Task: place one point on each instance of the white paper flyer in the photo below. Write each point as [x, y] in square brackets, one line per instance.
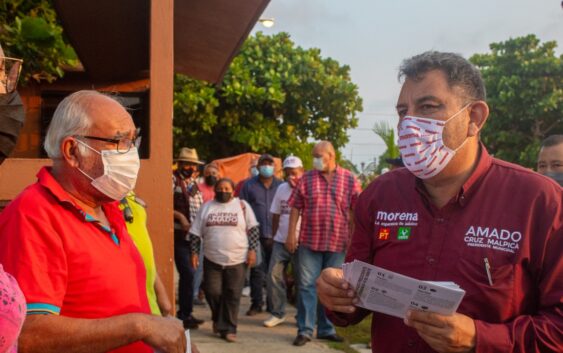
[392, 293]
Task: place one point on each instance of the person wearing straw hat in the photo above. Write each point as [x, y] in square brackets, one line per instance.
[184, 178]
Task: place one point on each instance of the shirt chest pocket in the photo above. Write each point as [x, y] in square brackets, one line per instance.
[488, 281]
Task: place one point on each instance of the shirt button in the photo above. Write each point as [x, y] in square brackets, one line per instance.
[410, 343]
[431, 260]
[440, 220]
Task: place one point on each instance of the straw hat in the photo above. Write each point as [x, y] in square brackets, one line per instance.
[188, 155]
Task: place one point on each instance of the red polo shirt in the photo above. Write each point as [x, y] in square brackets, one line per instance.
[504, 213]
[325, 209]
[66, 262]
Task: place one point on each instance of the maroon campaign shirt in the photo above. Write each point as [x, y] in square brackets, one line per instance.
[504, 213]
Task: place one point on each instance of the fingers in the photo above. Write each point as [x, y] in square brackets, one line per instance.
[338, 303]
[454, 333]
[334, 277]
[426, 330]
[335, 293]
[427, 318]
[289, 248]
[334, 289]
[344, 305]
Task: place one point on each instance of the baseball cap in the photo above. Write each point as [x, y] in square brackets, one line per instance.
[292, 162]
[265, 157]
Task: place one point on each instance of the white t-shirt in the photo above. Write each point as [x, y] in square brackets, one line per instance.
[281, 207]
[222, 227]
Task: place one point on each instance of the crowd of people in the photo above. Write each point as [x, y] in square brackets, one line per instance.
[77, 269]
[250, 232]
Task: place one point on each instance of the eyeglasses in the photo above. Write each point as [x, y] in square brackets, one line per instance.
[123, 145]
[10, 69]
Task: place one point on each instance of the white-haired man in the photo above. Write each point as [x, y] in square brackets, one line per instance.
[65, 241]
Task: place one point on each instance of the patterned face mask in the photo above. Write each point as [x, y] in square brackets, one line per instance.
[422, 145]
[12, 312]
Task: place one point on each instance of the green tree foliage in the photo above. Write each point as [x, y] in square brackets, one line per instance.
[387, 134]
[276, 97]
[523, 78]
[29, 30]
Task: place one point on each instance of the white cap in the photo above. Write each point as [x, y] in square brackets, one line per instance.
[292, 162]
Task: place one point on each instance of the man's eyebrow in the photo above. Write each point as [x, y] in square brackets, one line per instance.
[428, 98]
[420, 101]
[120, 134]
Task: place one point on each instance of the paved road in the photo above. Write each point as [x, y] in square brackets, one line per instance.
[252, 336]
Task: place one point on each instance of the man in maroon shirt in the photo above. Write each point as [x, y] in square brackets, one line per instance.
[457, 214]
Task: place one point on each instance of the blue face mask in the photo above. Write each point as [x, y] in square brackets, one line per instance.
[266, 170]
[557, 176]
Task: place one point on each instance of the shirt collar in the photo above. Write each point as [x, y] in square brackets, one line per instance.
[483, 165]
[337, 171]
[48, 181]
[468, 188]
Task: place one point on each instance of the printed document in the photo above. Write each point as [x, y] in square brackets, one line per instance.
[392, 293]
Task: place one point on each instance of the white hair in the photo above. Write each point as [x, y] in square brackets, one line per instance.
[70, 118]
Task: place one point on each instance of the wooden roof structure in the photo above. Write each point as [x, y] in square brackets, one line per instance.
[111, 38]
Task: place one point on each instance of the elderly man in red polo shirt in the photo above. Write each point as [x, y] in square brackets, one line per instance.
[65, 241]
[492, 227]
[325, 198]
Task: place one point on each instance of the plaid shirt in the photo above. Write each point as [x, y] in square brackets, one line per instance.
[325, 209]
[189, 207]
[195, 201]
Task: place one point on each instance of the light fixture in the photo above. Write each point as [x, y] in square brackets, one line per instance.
[267, 22]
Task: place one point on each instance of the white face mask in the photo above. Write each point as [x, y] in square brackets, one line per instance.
[422, 146]
[318, 164]
[120, 172]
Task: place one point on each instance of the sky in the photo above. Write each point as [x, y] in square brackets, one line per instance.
[374, 36]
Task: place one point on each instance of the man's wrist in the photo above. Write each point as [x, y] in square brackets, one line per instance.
[138, 326]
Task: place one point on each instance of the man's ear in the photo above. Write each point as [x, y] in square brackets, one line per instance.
[69, 151]
[478, 114]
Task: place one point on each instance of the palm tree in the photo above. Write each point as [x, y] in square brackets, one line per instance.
[387, 134]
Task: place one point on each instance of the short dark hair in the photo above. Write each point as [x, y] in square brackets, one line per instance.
[552, 140]
[458, 70]
[224, 180]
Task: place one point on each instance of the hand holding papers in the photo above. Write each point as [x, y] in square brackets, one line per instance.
[392, 293]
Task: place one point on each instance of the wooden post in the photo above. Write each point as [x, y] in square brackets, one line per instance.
[155, 183]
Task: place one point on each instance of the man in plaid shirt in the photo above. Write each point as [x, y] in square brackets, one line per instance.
[325, 198]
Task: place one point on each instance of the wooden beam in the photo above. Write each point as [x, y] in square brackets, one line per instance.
[155, 179]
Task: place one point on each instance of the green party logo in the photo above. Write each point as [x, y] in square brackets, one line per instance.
[404, 233]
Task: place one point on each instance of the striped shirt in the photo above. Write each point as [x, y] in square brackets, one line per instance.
[325, 209]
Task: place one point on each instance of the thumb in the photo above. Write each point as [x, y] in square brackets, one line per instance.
[334, 277]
